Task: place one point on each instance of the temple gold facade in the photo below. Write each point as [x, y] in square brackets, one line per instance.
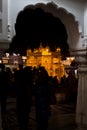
[50, 60]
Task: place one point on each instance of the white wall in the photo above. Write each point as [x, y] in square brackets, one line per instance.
[4, 20]
[76, 8]
[15, 6]
[85, 20]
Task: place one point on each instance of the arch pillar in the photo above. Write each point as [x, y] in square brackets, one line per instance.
[81, 106]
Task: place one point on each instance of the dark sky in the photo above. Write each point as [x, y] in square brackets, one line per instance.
[34, 26]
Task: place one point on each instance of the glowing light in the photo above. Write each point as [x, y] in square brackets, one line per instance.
[14, 54]
[0, 61]
[24, 57]
[7, 54]
[58, 49]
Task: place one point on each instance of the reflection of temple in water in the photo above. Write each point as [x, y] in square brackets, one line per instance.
[50, 60]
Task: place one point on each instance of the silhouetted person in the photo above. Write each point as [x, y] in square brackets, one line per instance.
[54, 84]
[71, 83]
[63, 81]
[23, 79]
[4, 83]
[42, 99]
[20, 66]
[10, 87]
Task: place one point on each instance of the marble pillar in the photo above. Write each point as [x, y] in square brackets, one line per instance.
[81, 106]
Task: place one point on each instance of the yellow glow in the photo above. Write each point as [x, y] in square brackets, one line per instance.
[50, 60]
[58, 49]
[72, 58]
[5, 61]
[24, 57]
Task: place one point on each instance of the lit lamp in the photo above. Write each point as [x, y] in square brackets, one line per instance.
[0, 61]
[70, 59]
[24, 58]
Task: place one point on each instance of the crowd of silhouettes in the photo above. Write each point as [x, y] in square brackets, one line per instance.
[31, 86]
[27, 82]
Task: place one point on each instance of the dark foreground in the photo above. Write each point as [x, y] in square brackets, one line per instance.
[62, 118]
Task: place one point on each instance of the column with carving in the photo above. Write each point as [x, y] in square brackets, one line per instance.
[81, 109]
[81, 106]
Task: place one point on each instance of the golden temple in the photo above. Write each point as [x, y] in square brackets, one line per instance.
[50, 60]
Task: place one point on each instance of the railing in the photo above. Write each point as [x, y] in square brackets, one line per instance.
[80, 55]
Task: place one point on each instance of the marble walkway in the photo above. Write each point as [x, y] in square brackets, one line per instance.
[62, 118]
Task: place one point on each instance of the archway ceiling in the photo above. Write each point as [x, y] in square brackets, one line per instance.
[34, 26]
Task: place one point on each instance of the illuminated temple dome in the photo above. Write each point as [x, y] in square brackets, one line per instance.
[50, 60]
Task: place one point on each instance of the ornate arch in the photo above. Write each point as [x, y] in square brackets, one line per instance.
[68, 19]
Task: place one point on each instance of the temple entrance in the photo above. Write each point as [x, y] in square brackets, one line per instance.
[46, 24]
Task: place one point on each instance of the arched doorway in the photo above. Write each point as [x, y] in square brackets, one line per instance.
[48, 24]
[66, 18]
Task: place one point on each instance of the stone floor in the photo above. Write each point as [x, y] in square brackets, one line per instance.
[62, 118]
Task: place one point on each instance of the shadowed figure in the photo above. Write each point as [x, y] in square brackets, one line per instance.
[72, 84]
[42, 99]
[4, 84]
[23, 80]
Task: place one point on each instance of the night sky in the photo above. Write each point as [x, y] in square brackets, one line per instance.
[34, 26]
